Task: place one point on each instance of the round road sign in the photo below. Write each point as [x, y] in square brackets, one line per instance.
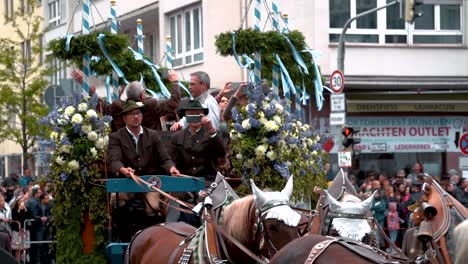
[463, 143]
[337, 81]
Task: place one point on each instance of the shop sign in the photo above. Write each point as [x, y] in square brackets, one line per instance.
[408, 134]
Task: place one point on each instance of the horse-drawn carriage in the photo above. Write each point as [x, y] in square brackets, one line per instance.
[259, 227]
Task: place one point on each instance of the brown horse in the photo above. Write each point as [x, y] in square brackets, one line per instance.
[262, 222]
[324, 249]
[436, 214]
[339, 202]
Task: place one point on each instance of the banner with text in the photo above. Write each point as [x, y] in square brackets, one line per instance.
[408, 134]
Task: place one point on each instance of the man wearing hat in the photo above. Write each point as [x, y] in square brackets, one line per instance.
[138, 150]
[135, 149]
[196, 149]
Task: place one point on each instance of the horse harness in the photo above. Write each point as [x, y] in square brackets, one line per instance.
[372, 254]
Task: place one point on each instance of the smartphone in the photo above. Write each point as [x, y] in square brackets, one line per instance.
[235, 85]
[193, 118]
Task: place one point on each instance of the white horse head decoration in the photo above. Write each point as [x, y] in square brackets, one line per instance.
[276, 204]
[354, 228]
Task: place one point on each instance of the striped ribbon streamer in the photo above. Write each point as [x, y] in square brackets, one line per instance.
[318, 79]
[168, 52]
[298, 106]
[86, 57]
[114, 29]
[109, 99]
[257, 56]
[140, 36]
[106, 54]
[153, 67]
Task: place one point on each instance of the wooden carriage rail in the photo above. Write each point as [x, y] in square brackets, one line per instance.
[167, 184]
[115, 251]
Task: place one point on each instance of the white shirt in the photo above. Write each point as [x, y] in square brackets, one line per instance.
[135, 137]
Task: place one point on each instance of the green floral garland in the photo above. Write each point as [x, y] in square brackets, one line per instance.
[78, 139]
[268, 43]
[117, 46]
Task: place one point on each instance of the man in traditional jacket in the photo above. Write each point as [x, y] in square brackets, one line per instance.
[139, 150]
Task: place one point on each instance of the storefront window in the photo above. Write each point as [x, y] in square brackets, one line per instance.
[14, 164]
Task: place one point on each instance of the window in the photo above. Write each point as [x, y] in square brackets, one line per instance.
[187, 36]
[54, 13]
[440, 24]
[58, 69]
[9, 9]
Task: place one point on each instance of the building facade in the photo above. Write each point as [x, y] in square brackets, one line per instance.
[406, 85]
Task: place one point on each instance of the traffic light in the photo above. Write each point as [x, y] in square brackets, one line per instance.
[349, 139]
[410, 10]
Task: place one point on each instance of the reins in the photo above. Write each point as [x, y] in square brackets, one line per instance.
[143, 183]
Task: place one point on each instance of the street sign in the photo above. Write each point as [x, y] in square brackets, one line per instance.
[463, 143]
[344, 159]
[337, 81]
[337, 119]
[337, 102]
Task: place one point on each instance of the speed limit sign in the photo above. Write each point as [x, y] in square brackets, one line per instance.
[337, 81]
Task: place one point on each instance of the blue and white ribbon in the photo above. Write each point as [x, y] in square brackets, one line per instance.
[168, 53]
[288, 85]
[248, 60]
[68, 38]
[181, 85]
[108, 93]
[153, 68]
[318, 79]
[106, 54]
[297, 57]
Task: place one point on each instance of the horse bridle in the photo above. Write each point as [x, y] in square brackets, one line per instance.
[259, 226]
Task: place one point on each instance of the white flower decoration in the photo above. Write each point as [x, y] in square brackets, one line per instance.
[238, 156]
[93, 136]
[100, 144]
[66, 148]
[73, 165]
[246, 124]
[140, 104]
[93, 152]
[54, 135]
[271, 155]
[70, 110]
[260, 150]
[277, 119]
[60, 160]
[91, 113]
[86, 128]
[82, 107]
[77, 119]
[271, 126]
[279, 108]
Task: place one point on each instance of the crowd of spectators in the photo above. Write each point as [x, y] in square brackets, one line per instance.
[396, 192]
[25, 216]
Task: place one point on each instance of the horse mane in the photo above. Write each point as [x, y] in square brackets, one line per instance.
[237, 219]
